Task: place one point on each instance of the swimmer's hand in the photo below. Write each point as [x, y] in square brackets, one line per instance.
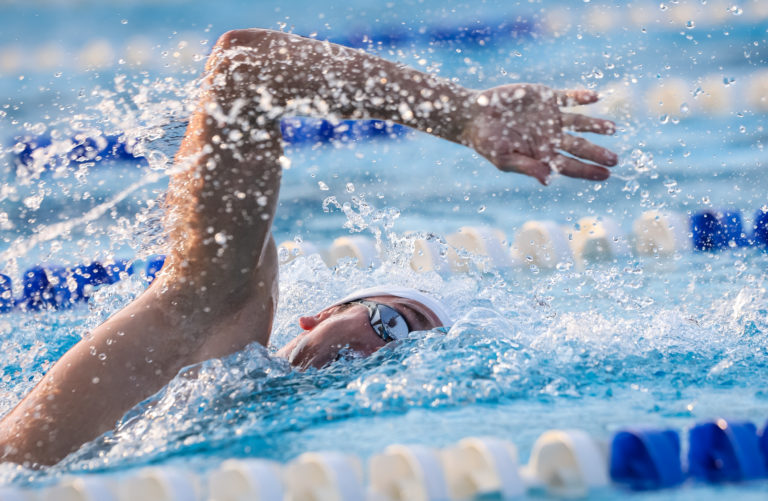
[521, 128]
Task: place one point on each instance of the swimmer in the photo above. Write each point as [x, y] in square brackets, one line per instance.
[218, 289]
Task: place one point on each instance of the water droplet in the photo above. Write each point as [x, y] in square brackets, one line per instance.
[664, 118]
[481, 209]
[690, 25]
[663, 7]
[323, 186]
[123, 21]
[350, 188]
[735, 10]
[684, 108]
[220, 238]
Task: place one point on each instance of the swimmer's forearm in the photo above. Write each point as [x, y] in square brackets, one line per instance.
[291, 75]
[224, 192]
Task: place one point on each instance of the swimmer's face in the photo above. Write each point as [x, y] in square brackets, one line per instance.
[347, 327]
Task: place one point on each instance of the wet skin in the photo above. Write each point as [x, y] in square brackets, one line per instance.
[347, 327]
[211, 299]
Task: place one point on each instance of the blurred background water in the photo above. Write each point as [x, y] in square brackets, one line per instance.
[658, 341]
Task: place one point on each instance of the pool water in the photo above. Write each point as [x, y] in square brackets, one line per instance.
[653, 341]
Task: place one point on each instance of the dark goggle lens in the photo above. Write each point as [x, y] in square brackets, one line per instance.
[393, 322]
[386, 321]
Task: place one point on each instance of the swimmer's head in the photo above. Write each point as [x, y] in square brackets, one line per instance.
[362, 323]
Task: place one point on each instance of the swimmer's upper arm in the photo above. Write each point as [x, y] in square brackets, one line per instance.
[223, 195]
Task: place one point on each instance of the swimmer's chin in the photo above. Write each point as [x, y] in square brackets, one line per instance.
[297, 357]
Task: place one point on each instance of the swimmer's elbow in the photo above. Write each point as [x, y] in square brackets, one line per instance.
[255, 41]
[245, 38]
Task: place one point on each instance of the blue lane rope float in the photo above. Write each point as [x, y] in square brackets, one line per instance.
[299, 130]
[295, 130]
[60, 287]
[564, 463]
[760, 235]
[479, 32]
[51, 286]
[723, 451]
[707, 232]
[713, 231]
[6, 294]
[646, 459]
[93, 148]
[717, 230]
[733, 229]
[98, 148]
[154, 265]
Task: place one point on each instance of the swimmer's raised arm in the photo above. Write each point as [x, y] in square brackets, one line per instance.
[218, 288]
[517, 127]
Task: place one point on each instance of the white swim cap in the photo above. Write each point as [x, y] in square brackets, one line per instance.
[438, 308]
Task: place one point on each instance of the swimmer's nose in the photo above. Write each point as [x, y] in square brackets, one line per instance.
[309, 323]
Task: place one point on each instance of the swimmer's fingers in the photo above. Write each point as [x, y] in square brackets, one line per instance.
[515, 162]
[582, 123]
[582, 148]
[572, 167]
[574, 97]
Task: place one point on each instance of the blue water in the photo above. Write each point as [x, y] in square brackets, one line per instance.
[663, 342]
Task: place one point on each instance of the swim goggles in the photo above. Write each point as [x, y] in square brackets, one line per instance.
[386, 321]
